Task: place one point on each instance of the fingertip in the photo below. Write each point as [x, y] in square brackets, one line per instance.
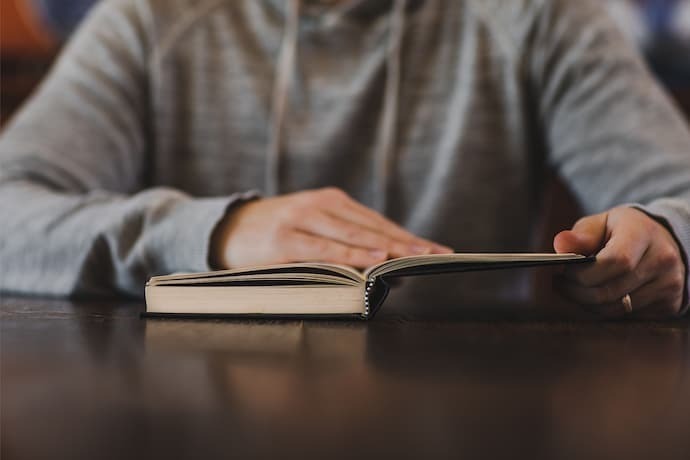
[565, 241]
[570, 241]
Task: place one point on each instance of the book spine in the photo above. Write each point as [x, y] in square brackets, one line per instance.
[375, 292]
[367, 296]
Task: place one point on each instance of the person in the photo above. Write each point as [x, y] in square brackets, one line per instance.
[195, 134]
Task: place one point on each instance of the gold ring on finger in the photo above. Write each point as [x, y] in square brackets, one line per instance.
[627, 304]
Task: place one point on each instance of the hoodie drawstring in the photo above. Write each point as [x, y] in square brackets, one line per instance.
[385, 152]
[281, 88]
[385, 149]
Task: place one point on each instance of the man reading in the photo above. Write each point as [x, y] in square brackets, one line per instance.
[186, 135]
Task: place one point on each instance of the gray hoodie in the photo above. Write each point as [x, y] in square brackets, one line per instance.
[445, 115]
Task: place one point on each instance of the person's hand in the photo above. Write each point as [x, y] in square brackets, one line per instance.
[636, 255]
[324, 225]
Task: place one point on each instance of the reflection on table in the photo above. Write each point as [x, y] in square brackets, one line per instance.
[93, 380]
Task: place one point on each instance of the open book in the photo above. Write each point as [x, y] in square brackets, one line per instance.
[315, 289]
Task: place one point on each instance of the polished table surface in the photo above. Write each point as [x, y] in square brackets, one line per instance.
[91, 379]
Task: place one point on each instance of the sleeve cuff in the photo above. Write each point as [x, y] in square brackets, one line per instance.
[187, 246]
[674, 214]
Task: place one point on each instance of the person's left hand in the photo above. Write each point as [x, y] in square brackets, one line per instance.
[635, 254]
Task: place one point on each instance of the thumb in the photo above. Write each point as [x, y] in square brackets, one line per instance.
[586, 237]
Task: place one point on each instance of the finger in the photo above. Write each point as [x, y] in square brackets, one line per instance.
[340, 204]
[621, 255]
[660, 297]
[642, 299]
[574, 292]
[586, 237]
[360, 214]
[369, 218]
[304, 247]
[610, 291]
[611, 310]
[326, 225]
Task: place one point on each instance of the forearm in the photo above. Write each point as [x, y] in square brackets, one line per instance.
[616, 138]
[674, 214]
[99, 243]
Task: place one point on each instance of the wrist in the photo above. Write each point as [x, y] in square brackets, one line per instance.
[674, 216]
[217, 257]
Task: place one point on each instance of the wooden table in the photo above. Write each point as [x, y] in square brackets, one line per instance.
[92, 380]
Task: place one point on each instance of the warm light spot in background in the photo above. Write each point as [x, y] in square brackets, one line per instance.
[22, 31]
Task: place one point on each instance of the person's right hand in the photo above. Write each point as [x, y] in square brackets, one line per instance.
[324, 225]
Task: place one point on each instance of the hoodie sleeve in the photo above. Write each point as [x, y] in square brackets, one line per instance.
[611, 132]
[73, 165]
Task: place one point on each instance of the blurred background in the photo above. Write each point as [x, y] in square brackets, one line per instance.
[32, 31]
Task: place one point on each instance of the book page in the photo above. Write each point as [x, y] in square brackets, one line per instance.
[465, 258]
[279, 270]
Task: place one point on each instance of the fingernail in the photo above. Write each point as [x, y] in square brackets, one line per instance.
[419, 249]
[378, 254]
